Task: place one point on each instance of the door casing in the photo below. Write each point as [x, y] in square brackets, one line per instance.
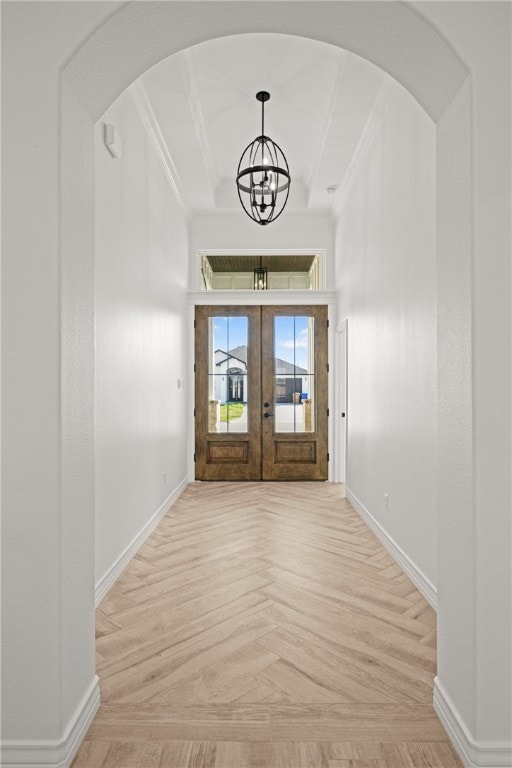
[260, 453]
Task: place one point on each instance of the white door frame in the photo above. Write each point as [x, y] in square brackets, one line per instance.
[340, 402]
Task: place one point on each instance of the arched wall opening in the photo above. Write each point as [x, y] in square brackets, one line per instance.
[350, 26]
[359, 127]
[404, 44]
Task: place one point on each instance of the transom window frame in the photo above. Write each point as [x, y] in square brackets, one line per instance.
[319, 255]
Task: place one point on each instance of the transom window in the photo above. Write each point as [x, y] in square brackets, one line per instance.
[289, 271]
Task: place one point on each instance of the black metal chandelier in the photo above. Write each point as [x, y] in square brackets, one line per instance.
[263, 176]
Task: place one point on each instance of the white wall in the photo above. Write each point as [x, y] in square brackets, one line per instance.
[386, 280]
[47, 609]
[141, 275]
[474, 683]
[47, 584]
[234, 229]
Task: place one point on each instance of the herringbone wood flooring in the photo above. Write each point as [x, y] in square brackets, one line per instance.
[263, 625]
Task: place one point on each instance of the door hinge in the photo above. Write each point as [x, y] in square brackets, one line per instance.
[194, 323]
[327, 322]
[194, 367]
[327, 412]
[328, 457]
[194, 412]
[194, 457]
[327, 367]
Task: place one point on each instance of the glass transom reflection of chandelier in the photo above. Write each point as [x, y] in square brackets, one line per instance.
[263, 176]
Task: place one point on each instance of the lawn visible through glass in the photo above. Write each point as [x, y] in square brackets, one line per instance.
[228, 388]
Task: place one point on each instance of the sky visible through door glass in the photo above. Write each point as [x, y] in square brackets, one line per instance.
[291, 336]
[230, 332]
[291, 339]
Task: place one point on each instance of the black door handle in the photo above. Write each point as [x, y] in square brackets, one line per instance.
[342, 415]
[267, 415]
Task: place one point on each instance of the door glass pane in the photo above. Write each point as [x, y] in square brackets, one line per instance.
[294, 374]
[227, 374]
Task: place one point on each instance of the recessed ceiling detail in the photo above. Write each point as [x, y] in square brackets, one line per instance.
[201, 103]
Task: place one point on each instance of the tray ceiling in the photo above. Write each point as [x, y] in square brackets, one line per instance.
[200, 108]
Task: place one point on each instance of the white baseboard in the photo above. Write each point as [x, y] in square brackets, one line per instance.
[54, 753]
[416, 575]
[474, 754]
[113, 573]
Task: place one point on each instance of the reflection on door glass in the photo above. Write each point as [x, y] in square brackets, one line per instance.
[294, 374]
[228, 388]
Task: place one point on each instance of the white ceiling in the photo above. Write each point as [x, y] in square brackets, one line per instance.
[200, 108]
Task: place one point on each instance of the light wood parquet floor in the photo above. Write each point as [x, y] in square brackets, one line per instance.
[263, 625]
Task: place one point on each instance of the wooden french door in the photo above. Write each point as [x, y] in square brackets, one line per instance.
[261, 393]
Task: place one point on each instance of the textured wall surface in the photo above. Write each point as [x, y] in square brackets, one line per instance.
[47, 633]
[475, 622]
[386, 278]
[141, 274]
